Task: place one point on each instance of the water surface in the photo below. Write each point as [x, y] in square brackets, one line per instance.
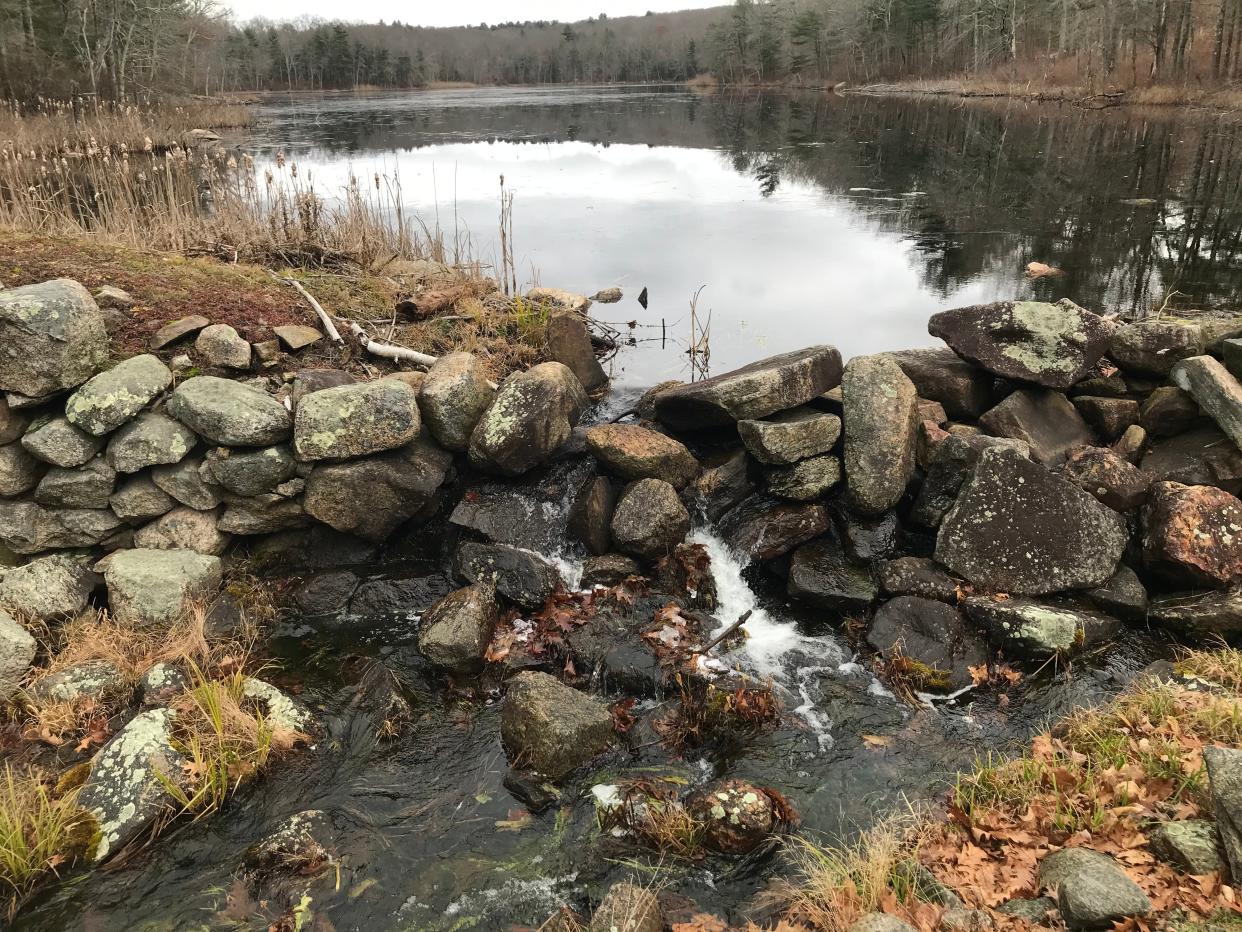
[804, 218]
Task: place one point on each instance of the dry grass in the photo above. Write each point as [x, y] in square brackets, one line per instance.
[652, 813]
[703, 82]
[55, 127]
[710, 715]
[1048, 88]
[40, 831]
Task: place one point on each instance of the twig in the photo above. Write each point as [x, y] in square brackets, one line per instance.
[328, 327]
[388, 351]
[727, 631]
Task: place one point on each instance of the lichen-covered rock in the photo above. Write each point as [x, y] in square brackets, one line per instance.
[1017, 528]
[1190, 846]
[373, 496]
[151, 439]
[229, 413]
[356, 420]
[763, 528]
[1224, 769]
[1027, 630]
[649, 520]
[183, 529]
[521, 576]
[162, 683]
[19, 471]
[880, 922]
[820, 574]
[736, 816]
[48, 588]
[628, 907]
[549, 728]
[754, 391]
[279, 710]
[126, 791]
[88, 486]
[220, 345]
[1045, 420]
[931, 634]
[804, 481]
[917, 576]
[1114, 481]
[1053, 345]
[184, 482]
[881, 419]
[112, 398]
[28, 527]
[1092, 890]
[90, 678]
[298, 841]
[1153, 347]
[455, 632]
[790, 436]
[1215, 389]
[634, 452]
[139, 500]
[250, 472]
[152, 587]
[453, 398]
[1193, 534]
[58, 442]
[951, 465]
[533, 414]
[52, 337]
[941, 375]
[17, 652]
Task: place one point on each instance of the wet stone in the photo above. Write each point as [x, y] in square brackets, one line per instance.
[805, 481]
[820, 574]
[379, 598]
[1123, 596]
[552, 729]
[1108, 416]
[867, 538]
[590, 519]
[633, 452]
[325, 593]
[454, 633]
[1027, 630]
[737, 816]
[917, 576]
[607, 570]
[628, 907]
[941, 375]
[933, 635]
[1193, 534]
[521, 576]
[649, 520]
[1112, 480]
[763, 528]
[1203, 615]
[722, 486]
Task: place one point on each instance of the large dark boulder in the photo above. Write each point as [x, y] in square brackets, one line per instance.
[762, 528]
[521, 576]
[722, 486]
[951, 465]
[1201, 456]
[754, 391]
[881, 419]
[941, 375]
[52, 337]
[1045, 420]
[533, 415]
[1207, 615]
[532, 511]
[112, 398]
[917, 576]
[1054, 345]
[933, 635]
[1018, 528]
[1123, 595]
[549, 728]
[821, 574]
[371, 497]
[1193, 534]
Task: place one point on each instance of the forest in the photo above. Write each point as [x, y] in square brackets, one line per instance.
[133, 49]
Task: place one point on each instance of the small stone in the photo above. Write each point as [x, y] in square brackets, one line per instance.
[88, 486]
[805, 481]
[229, 413]
[162, 683]
[1109, 416]
[326, 593]
[220, 345]
[736, 816]
[1092, 889]
[113, 298]
[627, 907]
[453, 398]
[297, 337]
[1153, 347]
[880, 922]
[309, 381]
[19, 471]
[590, 519]
[17, 652]
[90, 678]
[1224, 769]
[649, 520]
[552, 729]
[1206, 615]
[1190, 846]
[1168, 411]
[264, 514]
[12, 423]
[151, 587]
[266, 351]
[634, 452]
[720, 488]
[184, 482]
[181, 364]
[931, 634]
[113, 398]
[959, 919]
[184, 529]
[60, 443]
[790, 436]
[1193, 534]
[880, 432]
[1112, 480]
[1130, 446]
[151, 439]
[454, 633]
[47, 589]
[1035, 911]
[608, 296]
[139, 500]
[280, 711]
[177, 329]
[1045, 420]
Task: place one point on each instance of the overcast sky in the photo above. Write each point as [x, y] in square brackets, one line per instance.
[458, 13]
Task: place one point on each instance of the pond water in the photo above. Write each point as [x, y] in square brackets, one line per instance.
[809, 220]
[805, 218]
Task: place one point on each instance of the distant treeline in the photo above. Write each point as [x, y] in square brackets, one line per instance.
[130, 48]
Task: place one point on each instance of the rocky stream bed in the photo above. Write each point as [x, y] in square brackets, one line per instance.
[501, 608]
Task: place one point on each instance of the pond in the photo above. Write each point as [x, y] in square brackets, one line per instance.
[803, 218]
